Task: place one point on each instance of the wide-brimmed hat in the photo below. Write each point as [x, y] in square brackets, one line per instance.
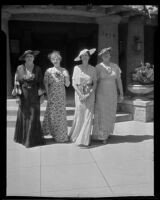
[91, 51]
[105, 50]
[34, 53]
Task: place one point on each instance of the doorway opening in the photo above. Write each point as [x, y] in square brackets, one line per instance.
[68, 38]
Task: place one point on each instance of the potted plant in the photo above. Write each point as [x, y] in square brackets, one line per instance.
[142, 79]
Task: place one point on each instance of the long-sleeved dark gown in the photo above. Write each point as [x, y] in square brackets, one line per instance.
[28, 127]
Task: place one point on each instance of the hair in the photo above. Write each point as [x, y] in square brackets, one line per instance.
[87, 53]
[109, 51]
[24, 59]
[56, 53]
[31, 54]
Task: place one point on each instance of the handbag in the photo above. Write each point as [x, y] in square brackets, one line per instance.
[17, 89]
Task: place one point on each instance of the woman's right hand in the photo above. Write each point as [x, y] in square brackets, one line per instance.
[83, 97]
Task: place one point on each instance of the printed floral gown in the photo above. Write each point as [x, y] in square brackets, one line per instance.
[55, 121]
[106, 101]
[28, 127]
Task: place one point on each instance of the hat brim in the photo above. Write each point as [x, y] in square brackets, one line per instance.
[35, 53]
[91, 51]
[104, 51]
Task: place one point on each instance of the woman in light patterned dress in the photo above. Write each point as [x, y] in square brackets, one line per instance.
[84, 83]
[108, 82]
[55, 80]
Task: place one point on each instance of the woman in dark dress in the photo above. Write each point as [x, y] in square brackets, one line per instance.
[29, 91]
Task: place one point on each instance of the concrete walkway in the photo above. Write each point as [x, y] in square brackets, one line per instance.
[123, 167]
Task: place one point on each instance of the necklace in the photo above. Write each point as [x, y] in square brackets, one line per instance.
[108, 68]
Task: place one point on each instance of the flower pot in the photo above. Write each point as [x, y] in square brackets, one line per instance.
[140, 90]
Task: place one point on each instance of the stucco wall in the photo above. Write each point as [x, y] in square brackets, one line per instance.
[108, 35]
[5, 18]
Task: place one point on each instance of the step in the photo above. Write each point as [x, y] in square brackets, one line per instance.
[11, 120]
[12, 103]
[12, 108]
[12, 111]
[11, 117]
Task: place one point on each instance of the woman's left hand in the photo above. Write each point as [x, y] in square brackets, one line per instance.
[121, 98]
[66, 82]
[40, 92]
[41, 99]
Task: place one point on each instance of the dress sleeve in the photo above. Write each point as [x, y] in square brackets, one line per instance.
[16, 77]
[40, 78]
[76, 75]
[94, 74]
[46, 77]
[97, 72]
[118, 71]
[19, 73]
[17, 88]
[41, 89]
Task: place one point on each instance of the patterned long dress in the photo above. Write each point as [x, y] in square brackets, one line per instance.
[106, 101]
[81, 130]
[55, 121]
[28, 127]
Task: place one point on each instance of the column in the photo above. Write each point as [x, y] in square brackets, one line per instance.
[5, 18]
[108, 35]
[135, 28]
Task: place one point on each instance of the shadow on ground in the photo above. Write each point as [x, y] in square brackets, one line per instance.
[49, 141]
[115, 139]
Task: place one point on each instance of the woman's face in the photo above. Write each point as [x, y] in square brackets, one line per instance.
[85, 57]
[29, 58]
[106, 55]
[55, 59]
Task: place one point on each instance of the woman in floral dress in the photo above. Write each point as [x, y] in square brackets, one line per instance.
[28, 88]
[55, 80]
[84, 83]
[108, 81]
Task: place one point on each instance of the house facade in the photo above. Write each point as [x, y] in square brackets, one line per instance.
[129, 30]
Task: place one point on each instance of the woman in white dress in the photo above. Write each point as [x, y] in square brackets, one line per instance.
[84, 82]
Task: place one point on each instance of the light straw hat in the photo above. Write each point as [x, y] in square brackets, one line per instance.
[91, 51]
[105, 50]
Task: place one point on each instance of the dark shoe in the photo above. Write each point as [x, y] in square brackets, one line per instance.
[104, 142]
